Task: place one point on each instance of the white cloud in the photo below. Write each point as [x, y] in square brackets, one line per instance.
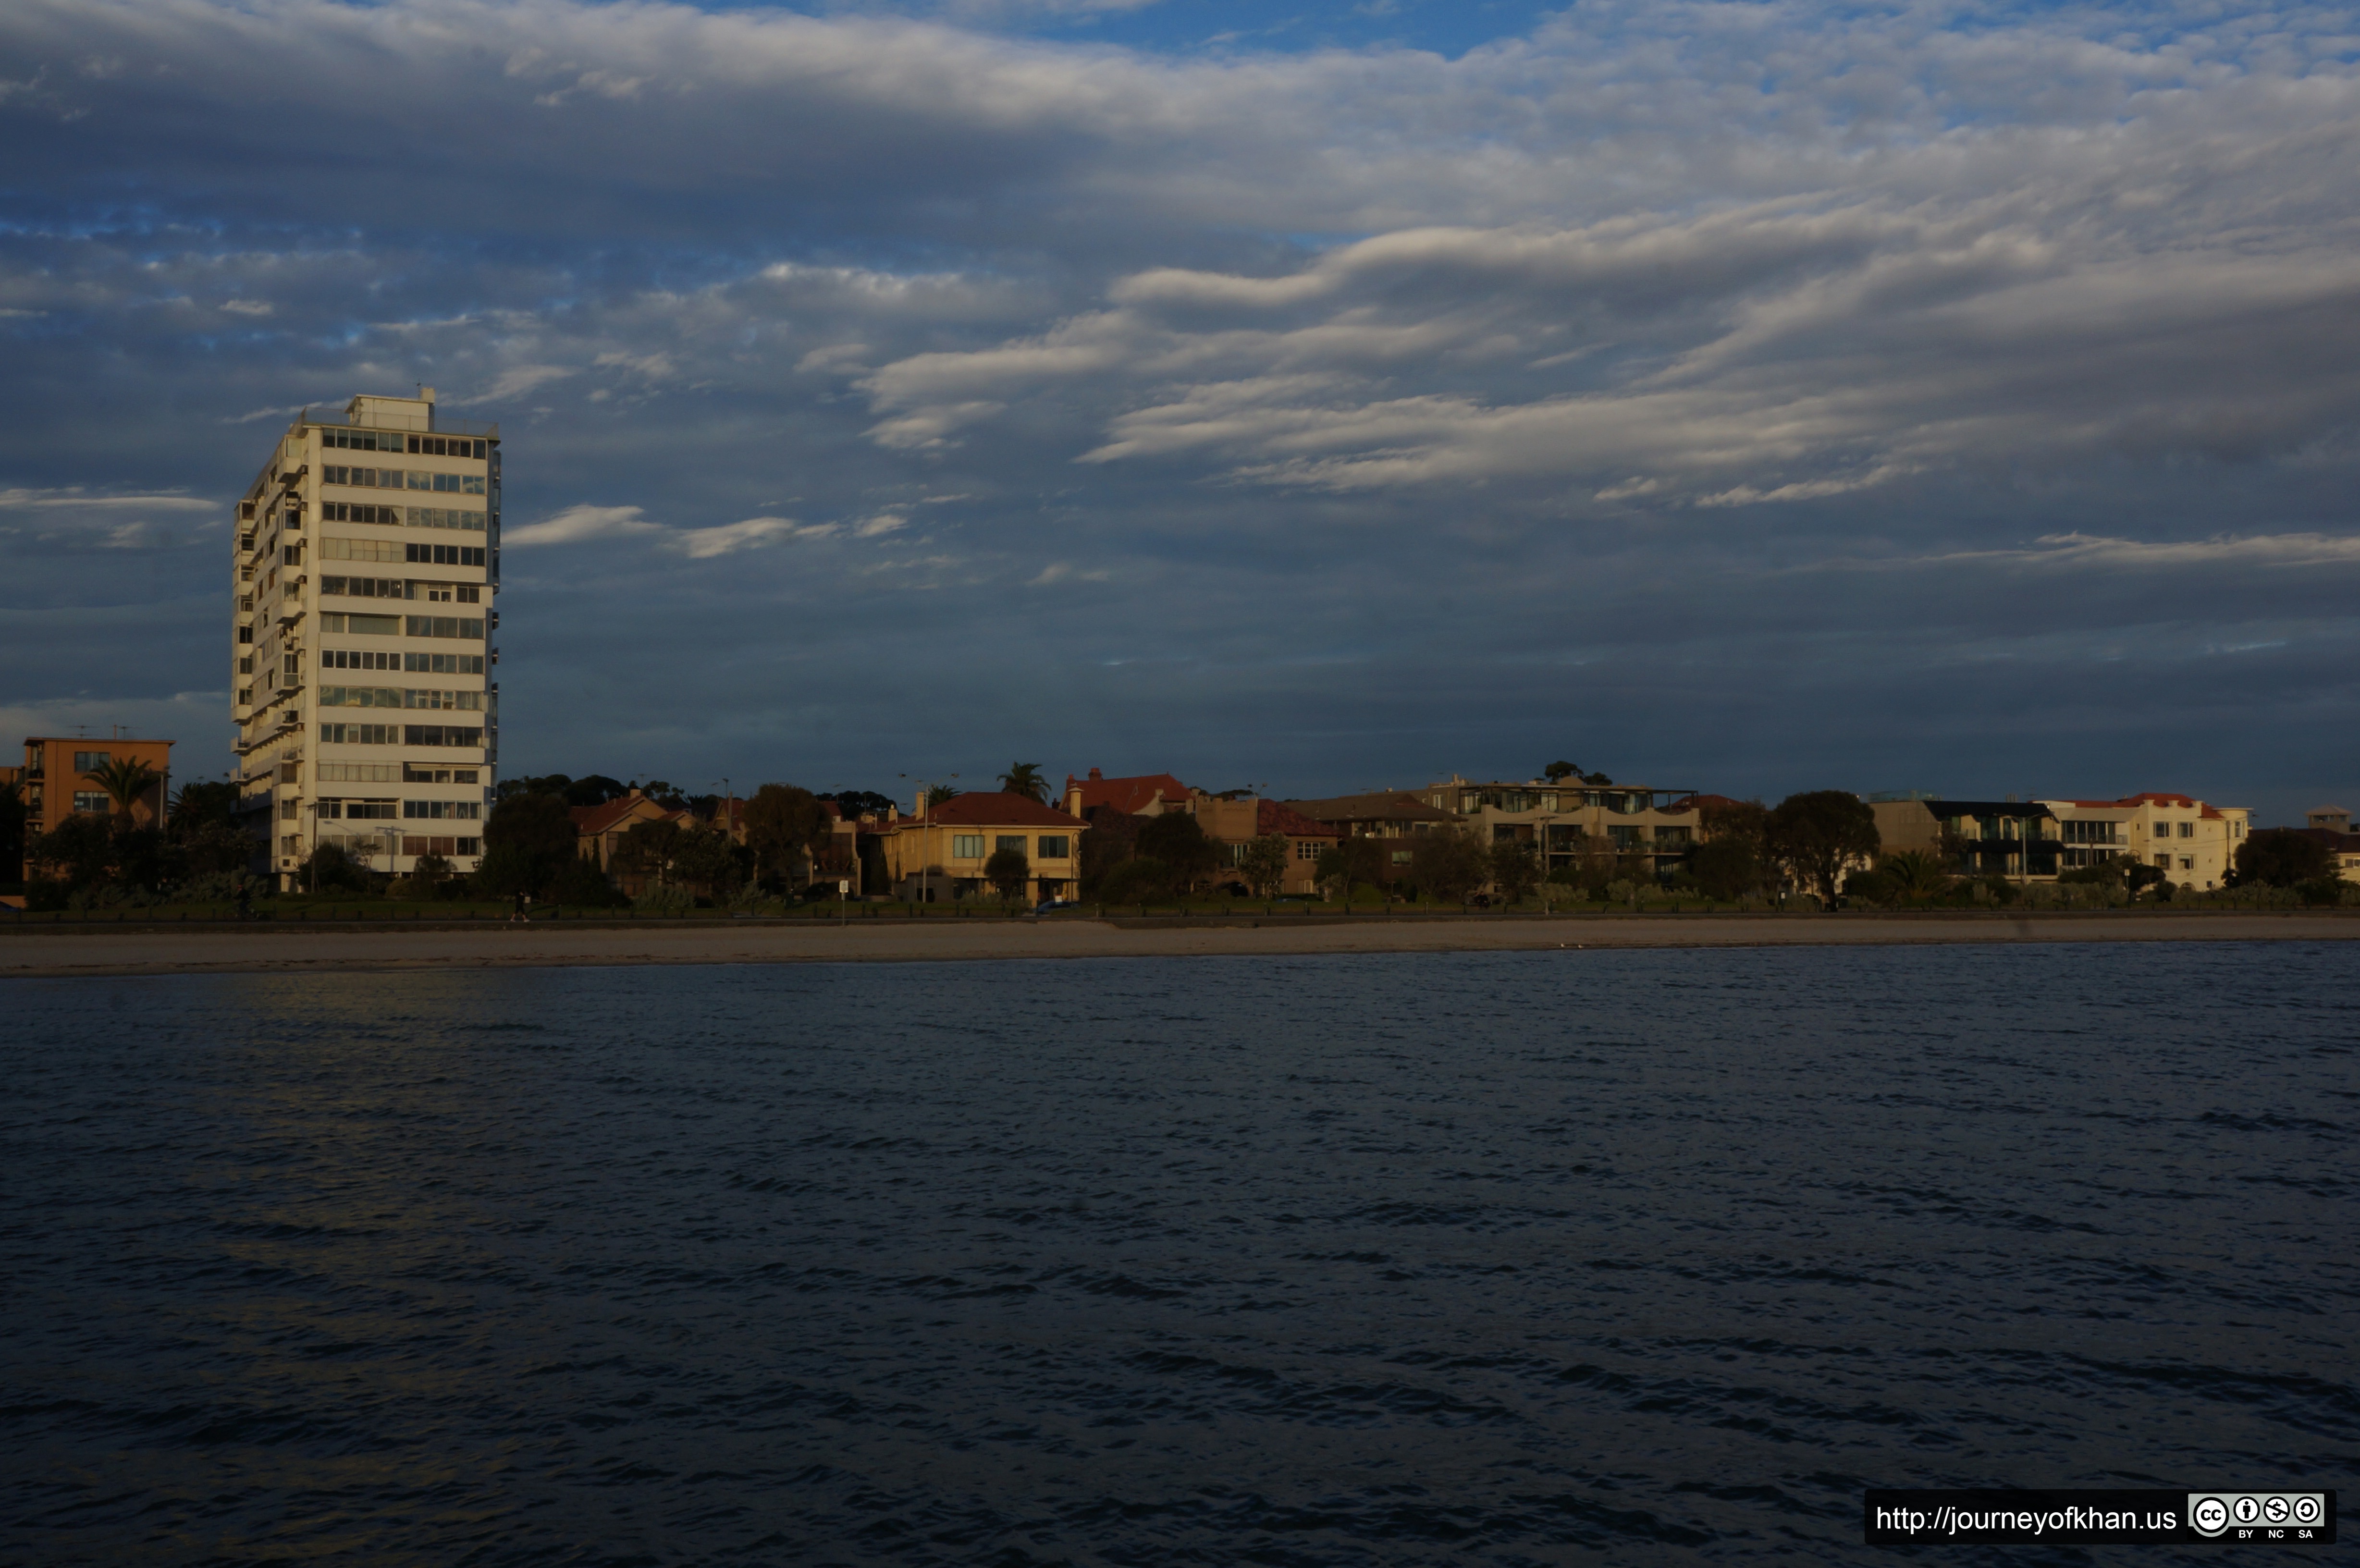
[727, 538]
[883, 523]
[579, 525]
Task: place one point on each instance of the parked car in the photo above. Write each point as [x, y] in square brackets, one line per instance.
[1051, 905]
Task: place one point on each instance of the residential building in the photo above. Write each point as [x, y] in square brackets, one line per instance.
[365, 559]
[55, 786]
[599, 830]
[1143, 795]
[1235, 821]
[2327, 819]
[1649, 830]
[2017, 840]
[1381, 814]
[941, 851]
[2191, 842]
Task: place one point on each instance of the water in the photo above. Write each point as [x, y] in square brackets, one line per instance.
[1658, 1257]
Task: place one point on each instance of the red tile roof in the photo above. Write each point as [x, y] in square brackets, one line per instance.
[1130, 796]
[1269, 817]
[591, 820]
[992, 808]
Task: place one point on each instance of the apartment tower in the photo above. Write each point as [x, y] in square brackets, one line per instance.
[368, 553]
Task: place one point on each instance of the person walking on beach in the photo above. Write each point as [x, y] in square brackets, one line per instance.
[518, 917]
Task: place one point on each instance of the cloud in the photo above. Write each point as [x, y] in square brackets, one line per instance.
[727, 538]
[1762, 362]
[579, 525]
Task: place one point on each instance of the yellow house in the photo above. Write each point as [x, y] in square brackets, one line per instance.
[942, 851]
[2192, 842]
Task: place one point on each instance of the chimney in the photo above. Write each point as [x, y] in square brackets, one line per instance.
[1096, 774]
[426, 394]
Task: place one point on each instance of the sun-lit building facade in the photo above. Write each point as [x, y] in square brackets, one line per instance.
[365, 561]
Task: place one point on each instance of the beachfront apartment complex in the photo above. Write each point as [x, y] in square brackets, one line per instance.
[367, 556]
[2194, 843]
[1646, 830]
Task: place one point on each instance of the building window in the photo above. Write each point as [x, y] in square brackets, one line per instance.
[2163, 861]
[1307, 849]
[96, 801]
[442, 811]
[1055, 846]
[360, 735]
[1011, 840]
[966, 846]
[444, 663]
[411, 773]
[467, 627]
[440, 735]
[359, 549]
[445, 554]
[90, 761]
[2187, 862]
[2188, 830]
[444, 517]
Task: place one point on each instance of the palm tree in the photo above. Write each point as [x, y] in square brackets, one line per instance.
[1914, 874]
[126, 781]
[1025, 779]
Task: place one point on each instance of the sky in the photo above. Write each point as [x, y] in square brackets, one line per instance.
[1750, 397]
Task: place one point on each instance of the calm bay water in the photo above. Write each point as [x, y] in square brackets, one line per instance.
[1523, 1258]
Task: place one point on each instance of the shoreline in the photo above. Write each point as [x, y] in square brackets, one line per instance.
[273, 948]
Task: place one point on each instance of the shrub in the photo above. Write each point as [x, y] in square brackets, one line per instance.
[582, 883]
[665, 898]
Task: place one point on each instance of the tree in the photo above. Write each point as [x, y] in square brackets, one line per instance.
[1354, 863]
[645, 849]
[13, 812]
[1558, 772]
[526, 784]
[330, 870]
[1913, 877]
[126, 781]
[1263, 863]
[81, 849]
[709, 859]
[858, 803]
[783, 824]
[1006, 871]
[1814, 835]
[1177, 840]
[1141, 880]
[532, 837]
[1727, 869]
[596, 790]
[1025, 779]
[1448, 866]
[2282, 857]
[202, 804]
[1516, 868]
[427, 874]
[938, 793]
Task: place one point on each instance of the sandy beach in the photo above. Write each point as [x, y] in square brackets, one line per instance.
[276, 948]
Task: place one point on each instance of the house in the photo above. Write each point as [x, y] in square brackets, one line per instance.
[2017, 840]
[599, 830]
[2192, 842]
[55, 783]
[942, 850]
[1648, 831]
[2331, 825]
[1143, 795]
[1382, 814]
[1234, 821]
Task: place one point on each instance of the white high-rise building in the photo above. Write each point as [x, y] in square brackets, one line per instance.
[367, 556]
